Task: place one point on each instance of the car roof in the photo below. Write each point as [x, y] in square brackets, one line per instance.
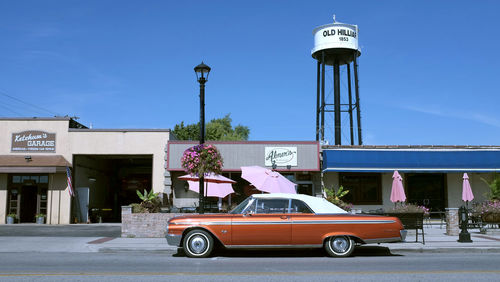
[318, 205]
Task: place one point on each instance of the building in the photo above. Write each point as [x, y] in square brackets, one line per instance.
[299, 161]
[107, 165]
[432, 175]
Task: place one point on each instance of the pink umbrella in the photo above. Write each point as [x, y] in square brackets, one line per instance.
[397, 192]
[267, 180]
[216, 185]
[467, 195]
[212, 189]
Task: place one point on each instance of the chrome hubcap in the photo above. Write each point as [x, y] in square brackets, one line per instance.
[198, 244]
[340, 244]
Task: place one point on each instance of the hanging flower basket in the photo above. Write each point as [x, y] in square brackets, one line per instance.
[201, 159]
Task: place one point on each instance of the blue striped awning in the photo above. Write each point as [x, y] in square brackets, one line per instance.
[411, 160]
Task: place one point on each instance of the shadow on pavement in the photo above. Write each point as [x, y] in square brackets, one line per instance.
[361, 251]
[72, 230]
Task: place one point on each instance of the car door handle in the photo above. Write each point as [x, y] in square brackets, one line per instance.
[284, 217]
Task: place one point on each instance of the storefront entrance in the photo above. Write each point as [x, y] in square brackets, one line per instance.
[427, 189]
[27, 196]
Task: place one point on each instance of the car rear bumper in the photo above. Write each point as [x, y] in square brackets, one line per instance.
[403, 234]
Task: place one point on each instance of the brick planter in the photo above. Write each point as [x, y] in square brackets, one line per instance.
[145, 225]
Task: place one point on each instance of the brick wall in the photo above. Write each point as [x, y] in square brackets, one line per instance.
[145, 225]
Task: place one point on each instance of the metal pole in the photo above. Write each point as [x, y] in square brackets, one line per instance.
[356, 88]
[323, 96]
[318, 79]
[201, 191]
[336, 95]
[351, 122]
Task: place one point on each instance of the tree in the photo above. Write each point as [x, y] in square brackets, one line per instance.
[217, 129]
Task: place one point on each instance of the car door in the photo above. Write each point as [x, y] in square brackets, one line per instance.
[306, 226]
[265, 223]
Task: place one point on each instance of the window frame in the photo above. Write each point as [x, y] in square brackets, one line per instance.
[356, 191]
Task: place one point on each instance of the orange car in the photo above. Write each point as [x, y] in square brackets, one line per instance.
[282, 221]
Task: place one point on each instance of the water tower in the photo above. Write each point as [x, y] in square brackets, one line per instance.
[336, 45]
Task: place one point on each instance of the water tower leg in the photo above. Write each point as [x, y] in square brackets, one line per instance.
[318, 79]
[336, 94]
[351, 122]
[358, 110]
[323, 96]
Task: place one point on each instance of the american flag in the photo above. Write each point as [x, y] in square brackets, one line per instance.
[70, 186]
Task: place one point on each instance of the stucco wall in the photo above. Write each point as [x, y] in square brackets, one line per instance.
[3, 197]
[58, 200]
[89, 142]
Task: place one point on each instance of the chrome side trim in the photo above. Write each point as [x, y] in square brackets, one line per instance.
[203, 223]
[383, 240]
[174, 240]
[285, 221]
[272, 246]
[342, 221]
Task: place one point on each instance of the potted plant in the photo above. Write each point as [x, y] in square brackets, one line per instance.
[11, 218]
[151, 202]
[335, 197]
[488, 211]
[411, 215]
[40, 218]
[201, 159]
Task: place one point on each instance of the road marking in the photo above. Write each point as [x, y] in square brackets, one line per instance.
[249, 273]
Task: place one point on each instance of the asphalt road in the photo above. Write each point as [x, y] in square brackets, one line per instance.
[372, 264]
[73, 230]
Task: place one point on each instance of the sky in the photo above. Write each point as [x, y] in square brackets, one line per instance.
[428, 71]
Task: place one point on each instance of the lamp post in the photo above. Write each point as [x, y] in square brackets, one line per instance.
[202, 72]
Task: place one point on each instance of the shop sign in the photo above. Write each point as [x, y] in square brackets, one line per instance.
[33, 141]
[281, 156]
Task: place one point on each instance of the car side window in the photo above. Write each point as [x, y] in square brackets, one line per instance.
[272, 206]
[300, 207]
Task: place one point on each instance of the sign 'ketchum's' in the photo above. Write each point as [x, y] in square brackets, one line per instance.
[33, 142]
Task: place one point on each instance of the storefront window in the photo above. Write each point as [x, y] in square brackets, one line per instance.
[364, 188]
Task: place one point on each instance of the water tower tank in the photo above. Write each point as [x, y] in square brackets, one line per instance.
[338, 41]
[336, 46]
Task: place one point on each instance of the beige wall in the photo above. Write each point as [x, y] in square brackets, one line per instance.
[3, 197]
[83, 142]
[58, 200]
[125, 143]
[57, 126]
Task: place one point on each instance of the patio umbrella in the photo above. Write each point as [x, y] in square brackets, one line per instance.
[216, 185]
[467, 195]
[397, 192]
[267, 180]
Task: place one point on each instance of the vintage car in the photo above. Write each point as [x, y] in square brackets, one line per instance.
[282, 221]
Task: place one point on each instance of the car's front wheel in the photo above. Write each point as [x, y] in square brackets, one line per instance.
[198, 244]
[339, 246]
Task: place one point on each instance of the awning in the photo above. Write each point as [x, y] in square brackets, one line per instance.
[33, 164]
[385, 160]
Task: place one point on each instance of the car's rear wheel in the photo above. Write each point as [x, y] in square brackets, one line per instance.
[339, 246]
[198, 244]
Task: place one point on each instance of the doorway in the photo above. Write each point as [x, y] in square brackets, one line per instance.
[427, 189]
[28, 203]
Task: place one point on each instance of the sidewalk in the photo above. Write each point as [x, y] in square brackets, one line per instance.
[435, 241]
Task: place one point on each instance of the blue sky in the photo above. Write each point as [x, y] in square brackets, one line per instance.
[429, 70]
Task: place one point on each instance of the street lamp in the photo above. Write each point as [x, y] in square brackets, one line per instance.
[202, 72]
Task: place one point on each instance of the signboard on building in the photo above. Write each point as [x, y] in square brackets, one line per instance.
[281, 156]
[34, 142]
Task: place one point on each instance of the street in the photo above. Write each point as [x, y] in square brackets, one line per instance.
[368, 264]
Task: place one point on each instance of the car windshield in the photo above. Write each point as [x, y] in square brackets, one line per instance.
[239, 208]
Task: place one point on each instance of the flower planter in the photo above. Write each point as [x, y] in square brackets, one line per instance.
[10, 220]
[40, 220]
[411, 221]
[491, 217]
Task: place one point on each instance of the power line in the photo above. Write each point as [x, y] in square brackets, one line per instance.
[26, 103]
